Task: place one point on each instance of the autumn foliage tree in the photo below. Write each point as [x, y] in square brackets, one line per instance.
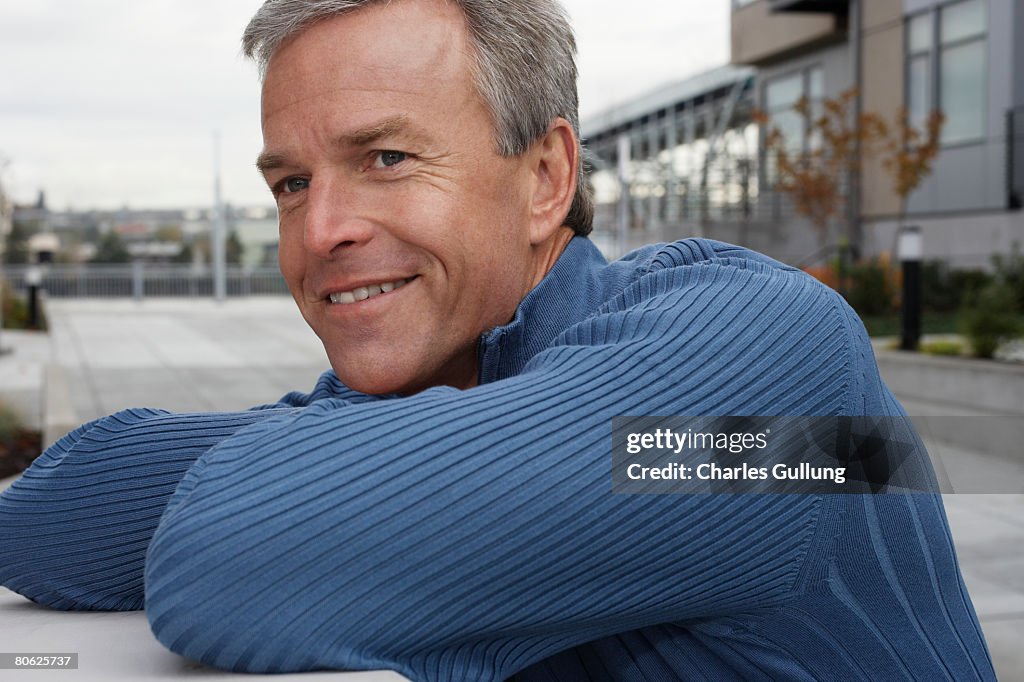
[814, 175]
[909, 152]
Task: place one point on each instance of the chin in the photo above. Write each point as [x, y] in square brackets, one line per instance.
[385, 381]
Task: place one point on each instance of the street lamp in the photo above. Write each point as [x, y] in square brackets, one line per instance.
[910, 248]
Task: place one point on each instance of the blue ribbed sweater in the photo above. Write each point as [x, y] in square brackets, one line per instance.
[473, 535]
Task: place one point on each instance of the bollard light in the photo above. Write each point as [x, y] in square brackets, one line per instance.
[910, 249]
[910, 246]
[34, 276]
[33, 279]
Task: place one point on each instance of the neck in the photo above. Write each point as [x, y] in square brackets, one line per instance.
[547, 253]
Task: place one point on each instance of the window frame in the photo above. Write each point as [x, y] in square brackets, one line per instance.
[803, 72]
[934, 53]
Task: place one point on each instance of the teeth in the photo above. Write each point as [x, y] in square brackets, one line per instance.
[369, 291]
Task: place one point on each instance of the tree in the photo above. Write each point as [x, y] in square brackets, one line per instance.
[909, 153]
[112, 249]
[812, 175]
[233, 248]
[16, 249]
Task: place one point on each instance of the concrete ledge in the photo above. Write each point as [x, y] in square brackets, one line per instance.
[978, 386]
[59, 416]
[933, 386]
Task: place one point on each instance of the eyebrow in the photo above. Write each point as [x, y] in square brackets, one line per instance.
[268, 160]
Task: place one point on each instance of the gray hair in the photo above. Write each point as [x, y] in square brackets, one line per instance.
[525, 68]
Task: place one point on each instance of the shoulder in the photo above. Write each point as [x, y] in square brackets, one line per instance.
[713, 305]
[728, 277]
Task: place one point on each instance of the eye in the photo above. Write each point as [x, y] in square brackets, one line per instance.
[388, 158]
[292, 185]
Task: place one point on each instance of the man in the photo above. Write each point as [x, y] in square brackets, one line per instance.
[440, 504]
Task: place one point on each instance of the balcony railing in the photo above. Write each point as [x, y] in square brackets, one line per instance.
[141, 280]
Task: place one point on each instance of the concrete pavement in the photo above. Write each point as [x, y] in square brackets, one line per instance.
[182, 354]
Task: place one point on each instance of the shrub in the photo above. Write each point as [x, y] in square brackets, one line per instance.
[990, 319]
[1010, 270]
[15, 310]
[946, 290]
[872, 288]
[10, 423]
[18, 445]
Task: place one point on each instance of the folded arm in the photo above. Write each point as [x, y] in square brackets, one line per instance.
[75, 527]
[465, 534]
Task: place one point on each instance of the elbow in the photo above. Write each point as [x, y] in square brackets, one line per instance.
[218, 592]
[234, 581]
[54, 551]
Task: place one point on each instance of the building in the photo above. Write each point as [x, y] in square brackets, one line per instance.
[675, 162]
[963, 57]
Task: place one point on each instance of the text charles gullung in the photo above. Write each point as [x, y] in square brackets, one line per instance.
[666, 439]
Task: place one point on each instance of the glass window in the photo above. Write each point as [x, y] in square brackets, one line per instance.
[963, 20]
[919, 33]
[951, 76]
[919, 100]
[815, 93]
[815, 83]
[780, 96]
[963, 92]
[783, 93]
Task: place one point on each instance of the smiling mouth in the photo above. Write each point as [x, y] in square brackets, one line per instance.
[369, 291]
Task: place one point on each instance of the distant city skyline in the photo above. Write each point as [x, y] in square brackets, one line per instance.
[112, 102]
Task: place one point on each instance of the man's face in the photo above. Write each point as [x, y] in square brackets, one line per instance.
[404, 235]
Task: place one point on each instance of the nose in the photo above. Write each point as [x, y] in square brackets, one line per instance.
[334, 220]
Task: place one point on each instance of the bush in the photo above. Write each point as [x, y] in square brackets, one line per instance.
[945, 290]
[872, 288]
[18, 446]
[15, 311]
[1010, 270]
[990, 319]
[10, 423]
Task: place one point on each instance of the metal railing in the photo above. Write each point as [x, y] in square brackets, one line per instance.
[139, 280]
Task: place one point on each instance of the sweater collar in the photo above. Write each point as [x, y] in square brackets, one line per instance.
[568, 293]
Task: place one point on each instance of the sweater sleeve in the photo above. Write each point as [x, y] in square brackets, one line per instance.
[462, 535]
[75, 526]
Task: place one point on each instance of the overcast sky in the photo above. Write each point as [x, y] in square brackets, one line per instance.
[111, 102]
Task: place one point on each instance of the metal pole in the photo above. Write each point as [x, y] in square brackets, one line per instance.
[853, 206]
[672, 182]
[1012, 201]
[624, 193]
[138, 290]
[218, 237]
[3, 249]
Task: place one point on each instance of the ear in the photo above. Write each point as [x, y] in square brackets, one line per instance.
[555, 160]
